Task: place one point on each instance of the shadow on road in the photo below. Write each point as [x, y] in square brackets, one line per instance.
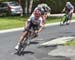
[46, 46]
[61, 58]
[24, 52]
[34, 42]
[27, 52]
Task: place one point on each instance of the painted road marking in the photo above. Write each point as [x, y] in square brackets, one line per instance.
[57, 41]
[68, 51]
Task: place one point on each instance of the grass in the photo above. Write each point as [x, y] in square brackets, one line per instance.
[12, 22]
[17, 21]
[71, 43]
[53, 19]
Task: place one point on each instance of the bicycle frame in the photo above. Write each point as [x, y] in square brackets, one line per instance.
[66, 19]
[26, 42]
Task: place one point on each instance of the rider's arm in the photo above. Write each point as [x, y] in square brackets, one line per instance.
[41, 25]
[72, 10]
[63, 9]
[27, 22]
[40, 29]
[45, 15]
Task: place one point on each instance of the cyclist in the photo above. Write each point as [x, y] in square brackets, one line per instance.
[45, 13]
[44, 9]
[69, 9]
[33, 22]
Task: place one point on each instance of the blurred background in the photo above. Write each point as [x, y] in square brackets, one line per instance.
[26, 7]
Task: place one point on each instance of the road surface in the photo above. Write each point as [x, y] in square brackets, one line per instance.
[33, 52]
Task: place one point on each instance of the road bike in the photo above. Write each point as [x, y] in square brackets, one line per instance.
[65, 19]
[26, 41]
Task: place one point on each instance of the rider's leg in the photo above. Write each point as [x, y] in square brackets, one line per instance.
[66, 19]
[24, 34]
[70, 18]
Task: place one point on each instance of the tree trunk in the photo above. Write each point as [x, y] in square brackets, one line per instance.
[26, 4]
[20, 2]
[30, 6]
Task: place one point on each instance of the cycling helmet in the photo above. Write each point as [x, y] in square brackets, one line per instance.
[37, 13]
[45, 9]
[68, 3]
[41, 10]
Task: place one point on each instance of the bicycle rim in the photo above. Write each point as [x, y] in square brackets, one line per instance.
[19, 51]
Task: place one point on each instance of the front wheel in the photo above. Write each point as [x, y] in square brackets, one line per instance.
[21, 48]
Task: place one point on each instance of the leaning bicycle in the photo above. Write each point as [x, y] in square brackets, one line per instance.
[26, 42]
[65, 19]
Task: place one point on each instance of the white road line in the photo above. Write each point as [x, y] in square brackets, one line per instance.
[67, 51]
[57, 41]
[10, 30]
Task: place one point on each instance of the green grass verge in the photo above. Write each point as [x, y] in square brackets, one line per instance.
[12, 22]
[53, 19]
[71, 43]
[17, 21]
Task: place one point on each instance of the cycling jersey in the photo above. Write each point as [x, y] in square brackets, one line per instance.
[69, 6]
[34, 23]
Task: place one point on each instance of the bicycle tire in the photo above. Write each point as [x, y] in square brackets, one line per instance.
[23, 45]
[21, 48]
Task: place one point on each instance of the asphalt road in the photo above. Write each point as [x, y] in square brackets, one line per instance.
[33, 52]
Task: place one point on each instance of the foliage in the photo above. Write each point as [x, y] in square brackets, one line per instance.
[56, 5]
[70, 43]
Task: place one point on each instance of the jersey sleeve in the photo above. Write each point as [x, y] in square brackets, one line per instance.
[41, 21]
[70, 6]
